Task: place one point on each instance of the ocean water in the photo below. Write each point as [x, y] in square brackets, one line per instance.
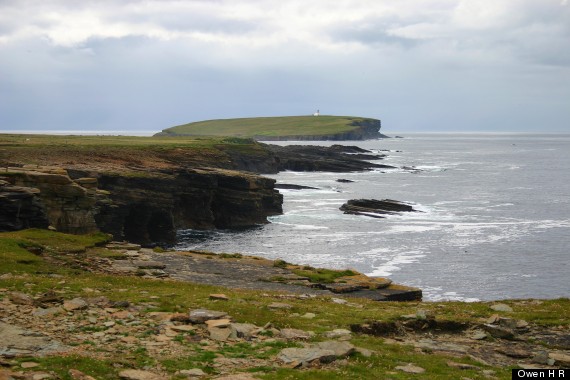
[495, 220]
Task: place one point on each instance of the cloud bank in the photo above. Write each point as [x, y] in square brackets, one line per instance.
[419, 65]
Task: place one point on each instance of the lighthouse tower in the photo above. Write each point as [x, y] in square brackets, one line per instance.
[317, 113]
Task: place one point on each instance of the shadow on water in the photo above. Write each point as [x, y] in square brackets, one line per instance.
[193, 239]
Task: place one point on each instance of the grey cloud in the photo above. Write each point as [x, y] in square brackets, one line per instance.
[370, 34]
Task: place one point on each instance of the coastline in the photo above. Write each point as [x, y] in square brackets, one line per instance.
[116, 310]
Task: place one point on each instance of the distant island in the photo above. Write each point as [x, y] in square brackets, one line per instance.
[314, 128]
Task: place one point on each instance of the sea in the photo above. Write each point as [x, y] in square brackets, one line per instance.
[494, 220]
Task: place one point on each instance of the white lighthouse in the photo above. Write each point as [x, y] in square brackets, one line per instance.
[317, 113]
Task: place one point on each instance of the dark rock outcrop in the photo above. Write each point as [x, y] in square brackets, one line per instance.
[65, 204]
[289, 186]
[375, 208]
[146, 208]
[146, 198]
[152, 209]
[21, 208]
[337, 158]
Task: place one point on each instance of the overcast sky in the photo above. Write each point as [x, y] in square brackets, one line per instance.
[418, 65]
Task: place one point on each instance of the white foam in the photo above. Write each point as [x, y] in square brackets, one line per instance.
[394, 264]
[302, 226]
[413, 228]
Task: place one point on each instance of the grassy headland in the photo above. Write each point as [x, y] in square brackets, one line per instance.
[123, 152]
[260, 127]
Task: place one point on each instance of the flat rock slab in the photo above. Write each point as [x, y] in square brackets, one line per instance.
[410, 368]
[141, 264]
[254, 273]
[302, 356]
[17, 341]
[291, 334]
[123, 245]
[134, 374]
[324, 352]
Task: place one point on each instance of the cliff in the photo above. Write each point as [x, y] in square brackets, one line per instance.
[366, 129]
[143, 209]
[145, 189]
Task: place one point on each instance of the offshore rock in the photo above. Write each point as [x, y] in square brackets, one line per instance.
[375, 208]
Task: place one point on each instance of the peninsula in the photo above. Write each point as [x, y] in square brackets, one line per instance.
[313, 128]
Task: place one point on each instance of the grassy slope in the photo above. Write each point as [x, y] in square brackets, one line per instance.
[268, 126]
[244, 306]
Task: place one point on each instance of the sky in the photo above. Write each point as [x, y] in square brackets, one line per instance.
[418, 65]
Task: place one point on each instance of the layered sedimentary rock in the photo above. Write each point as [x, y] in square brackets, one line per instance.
[145, 208]
[66, 205]
[151, 209]
[21, 208]
[336, 158]
[146, 195]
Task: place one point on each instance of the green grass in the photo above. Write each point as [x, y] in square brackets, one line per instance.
[98, 368]
[268, 126]
[125, 152]
[321, 275]
[245, 306]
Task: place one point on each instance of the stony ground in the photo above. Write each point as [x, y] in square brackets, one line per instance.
[200, 343]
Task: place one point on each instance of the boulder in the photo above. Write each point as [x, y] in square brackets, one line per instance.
[20, 298]
[502, 307]
[243, 330]
[560, 359]
[340, 349]
[293, 334]
[499, 332]
[323, 352]
[203, 315]
[75, 304]
[303, 356]
[220, 334]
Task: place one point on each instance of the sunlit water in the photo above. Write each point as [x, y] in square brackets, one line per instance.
[495, 221]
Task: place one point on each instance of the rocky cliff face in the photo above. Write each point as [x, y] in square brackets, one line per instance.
[66, 205]
[336, 158]
[146, 195]
[145, 208]
[152, 209]
[366, 129]
[21, 208]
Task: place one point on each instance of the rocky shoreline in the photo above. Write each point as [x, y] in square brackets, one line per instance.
[146, 199]
[126, 319]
